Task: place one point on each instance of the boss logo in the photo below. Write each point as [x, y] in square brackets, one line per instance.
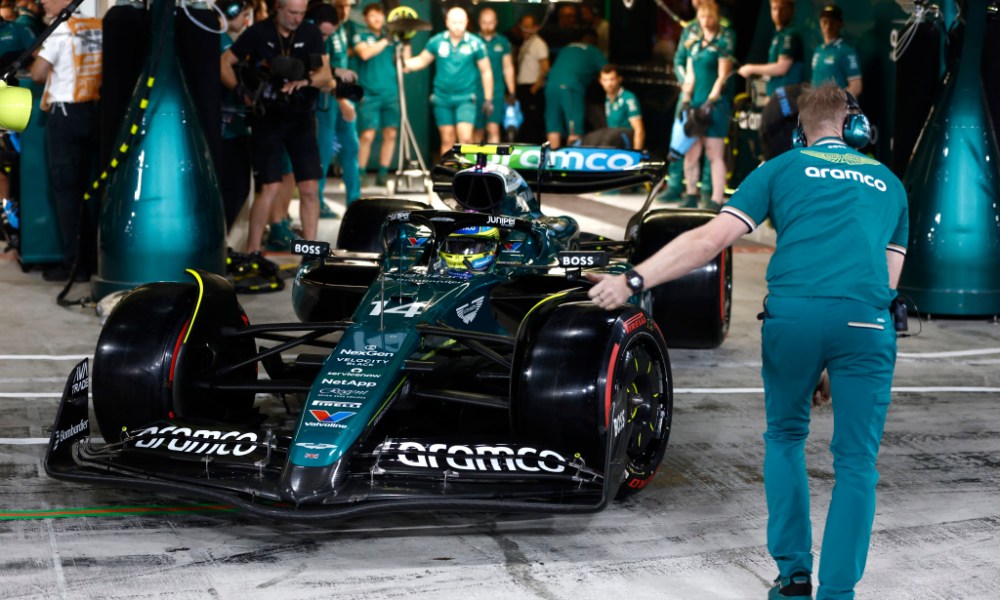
[307, 248]
[577, 260]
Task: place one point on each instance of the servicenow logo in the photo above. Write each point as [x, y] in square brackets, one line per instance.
[858, 176]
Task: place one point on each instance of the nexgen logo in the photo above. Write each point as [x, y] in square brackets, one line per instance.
[858, 176]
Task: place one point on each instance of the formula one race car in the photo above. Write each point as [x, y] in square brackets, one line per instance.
[461, 367]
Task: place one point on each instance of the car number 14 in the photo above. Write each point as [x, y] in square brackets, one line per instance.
[407, 310]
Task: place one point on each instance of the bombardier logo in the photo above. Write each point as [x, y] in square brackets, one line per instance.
[468, 312]
[479, 458]
[66, 434]
[852, 175]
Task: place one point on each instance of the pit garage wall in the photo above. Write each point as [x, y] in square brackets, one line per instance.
[871, 26]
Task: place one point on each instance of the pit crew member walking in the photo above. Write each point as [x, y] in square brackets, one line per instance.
[842, 222]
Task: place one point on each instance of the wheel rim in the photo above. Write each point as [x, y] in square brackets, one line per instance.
[642, 378]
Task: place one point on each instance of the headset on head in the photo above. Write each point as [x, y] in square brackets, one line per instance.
[232, 8]
[857, 131]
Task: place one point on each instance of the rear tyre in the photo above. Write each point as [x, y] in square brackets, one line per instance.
[596, 383]
[145, 370]
[693, 311]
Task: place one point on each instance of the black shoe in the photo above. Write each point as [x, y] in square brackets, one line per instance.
[799, 585]
[252, 273]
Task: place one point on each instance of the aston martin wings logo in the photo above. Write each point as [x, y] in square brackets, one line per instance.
[843, 159]
[468, 312]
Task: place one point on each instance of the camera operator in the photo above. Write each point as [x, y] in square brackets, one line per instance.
[289, 52]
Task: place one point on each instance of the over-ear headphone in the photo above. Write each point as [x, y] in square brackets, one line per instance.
[232, 8]
[857, 130]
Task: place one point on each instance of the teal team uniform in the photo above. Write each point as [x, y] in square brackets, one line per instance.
[575, 68]
[335, 134]
[621, 109]
[786, 42]
[705, 59]
[456, 78]
[496, 48]
[837, 212]
[380, 106]
[835, 62]
[15, 38]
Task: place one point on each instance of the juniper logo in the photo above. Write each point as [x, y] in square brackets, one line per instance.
[849, 174]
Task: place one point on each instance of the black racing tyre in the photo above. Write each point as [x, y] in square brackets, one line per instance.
[596, 383]
[360, 227]
[147, 367]
[693, 311]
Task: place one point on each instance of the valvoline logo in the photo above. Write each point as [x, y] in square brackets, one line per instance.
[325, 417]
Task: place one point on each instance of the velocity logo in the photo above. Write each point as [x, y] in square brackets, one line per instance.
[324, 417]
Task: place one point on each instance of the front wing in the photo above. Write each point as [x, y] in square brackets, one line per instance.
[245, 469]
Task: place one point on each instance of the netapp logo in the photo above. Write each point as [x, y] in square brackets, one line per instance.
[66, 434]
[219, 442]
[349, 382]
[479, 458]
[858, 176]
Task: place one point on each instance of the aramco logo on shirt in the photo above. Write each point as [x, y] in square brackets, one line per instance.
[848, 174]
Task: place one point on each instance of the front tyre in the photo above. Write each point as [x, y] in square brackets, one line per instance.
[596, 384]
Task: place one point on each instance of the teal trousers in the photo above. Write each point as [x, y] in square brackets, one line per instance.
[338, 136]
[856, 343]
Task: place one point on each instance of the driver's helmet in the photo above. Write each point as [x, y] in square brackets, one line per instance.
[470, 248]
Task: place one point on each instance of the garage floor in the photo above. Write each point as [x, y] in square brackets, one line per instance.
[696, 532]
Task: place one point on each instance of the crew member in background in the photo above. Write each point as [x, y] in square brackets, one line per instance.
[785, 55]
[840, 250]
[590, 18]
[29, 14]
[532, 69]
[707, 90]
[376, 60]
[289, 122]
[234, 165]
[675, 170]
[459, 54]
[502, 66]
[336, 126]
[69, 63]
[576, 66]
[833, 60]
[624, 128]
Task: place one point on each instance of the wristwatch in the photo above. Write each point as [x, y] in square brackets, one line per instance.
[634, 281]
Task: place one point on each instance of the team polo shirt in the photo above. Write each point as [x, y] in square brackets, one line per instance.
[620, 110]
[377, 74]
[456, 72]
[836, 62]
[260, 43]
[576, 66]
[836, 213]
[336, 48]
[705, 63]
[786, 42]
[689, 36]
[14, 39]
[496, 48]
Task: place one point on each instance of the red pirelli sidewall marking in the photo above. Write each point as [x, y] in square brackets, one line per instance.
[177, 347]
[609, 384]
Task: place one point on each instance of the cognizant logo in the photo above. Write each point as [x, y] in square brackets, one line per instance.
[858, 176]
